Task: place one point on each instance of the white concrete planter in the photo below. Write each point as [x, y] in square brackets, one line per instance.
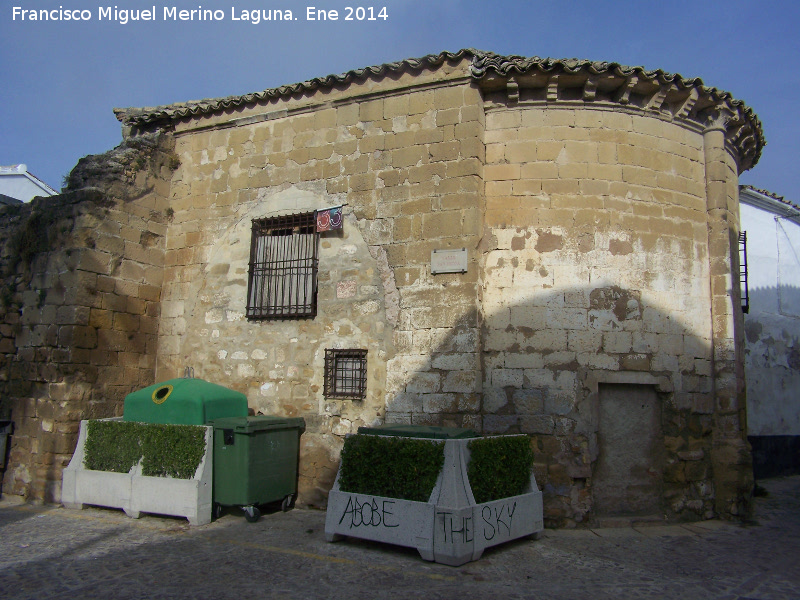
[450, 528]
[136, 493]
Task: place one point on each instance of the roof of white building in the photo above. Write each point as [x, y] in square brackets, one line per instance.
[768, 200]
[21, 170]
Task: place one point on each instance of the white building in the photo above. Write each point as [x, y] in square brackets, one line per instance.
[772, 329]
[17, 183]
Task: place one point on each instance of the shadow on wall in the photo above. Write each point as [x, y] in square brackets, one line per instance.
[543, 364]
[774, 322]
[789, 301]
[780, 300]
[772, 372]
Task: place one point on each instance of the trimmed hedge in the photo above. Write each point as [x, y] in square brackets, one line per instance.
[393, 467]
[165, 450]
[499, 467]
[112, 446]
[407, 469]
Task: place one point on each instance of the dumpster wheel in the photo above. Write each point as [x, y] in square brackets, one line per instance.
[251, 513]
[288, 503]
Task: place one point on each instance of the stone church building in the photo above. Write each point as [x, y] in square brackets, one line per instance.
[524, 245]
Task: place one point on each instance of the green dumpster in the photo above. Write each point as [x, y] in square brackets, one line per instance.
[419, 431]
[255, 462]
[185, 401]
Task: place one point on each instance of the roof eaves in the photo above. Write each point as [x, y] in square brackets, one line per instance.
[745, 130]
[41, 184]
[166, 113]
[771, 196]
[21, 170]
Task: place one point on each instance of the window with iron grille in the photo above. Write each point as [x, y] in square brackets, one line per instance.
[346, 374]
[283, 268]
[743, 272]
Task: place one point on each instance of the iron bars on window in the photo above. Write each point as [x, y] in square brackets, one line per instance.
[283, 268]
[346, 374]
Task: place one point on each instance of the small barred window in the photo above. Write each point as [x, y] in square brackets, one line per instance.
[346, 374]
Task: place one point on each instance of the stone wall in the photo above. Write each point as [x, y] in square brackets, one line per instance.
[591, 244]
[81, 280]
[596, 206]
[595, 266]
[406, 163]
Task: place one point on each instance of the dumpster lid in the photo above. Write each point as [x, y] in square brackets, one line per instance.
[199, 389]
[258, 423]
[183, 402]
[419, 431]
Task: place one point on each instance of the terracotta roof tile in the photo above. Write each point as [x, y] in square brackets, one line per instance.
[147, 115]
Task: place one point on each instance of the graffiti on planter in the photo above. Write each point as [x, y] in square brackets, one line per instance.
[369, 513]
[497, 520]
[457, 529]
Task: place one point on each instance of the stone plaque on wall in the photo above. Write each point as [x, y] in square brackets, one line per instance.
[449, 261]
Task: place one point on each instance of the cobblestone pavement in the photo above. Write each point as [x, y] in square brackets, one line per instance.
[50, 552]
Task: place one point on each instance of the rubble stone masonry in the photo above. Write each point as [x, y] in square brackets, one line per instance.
[597, 206]
[82, 276]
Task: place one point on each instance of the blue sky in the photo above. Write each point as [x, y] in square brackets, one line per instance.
[59, 80]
